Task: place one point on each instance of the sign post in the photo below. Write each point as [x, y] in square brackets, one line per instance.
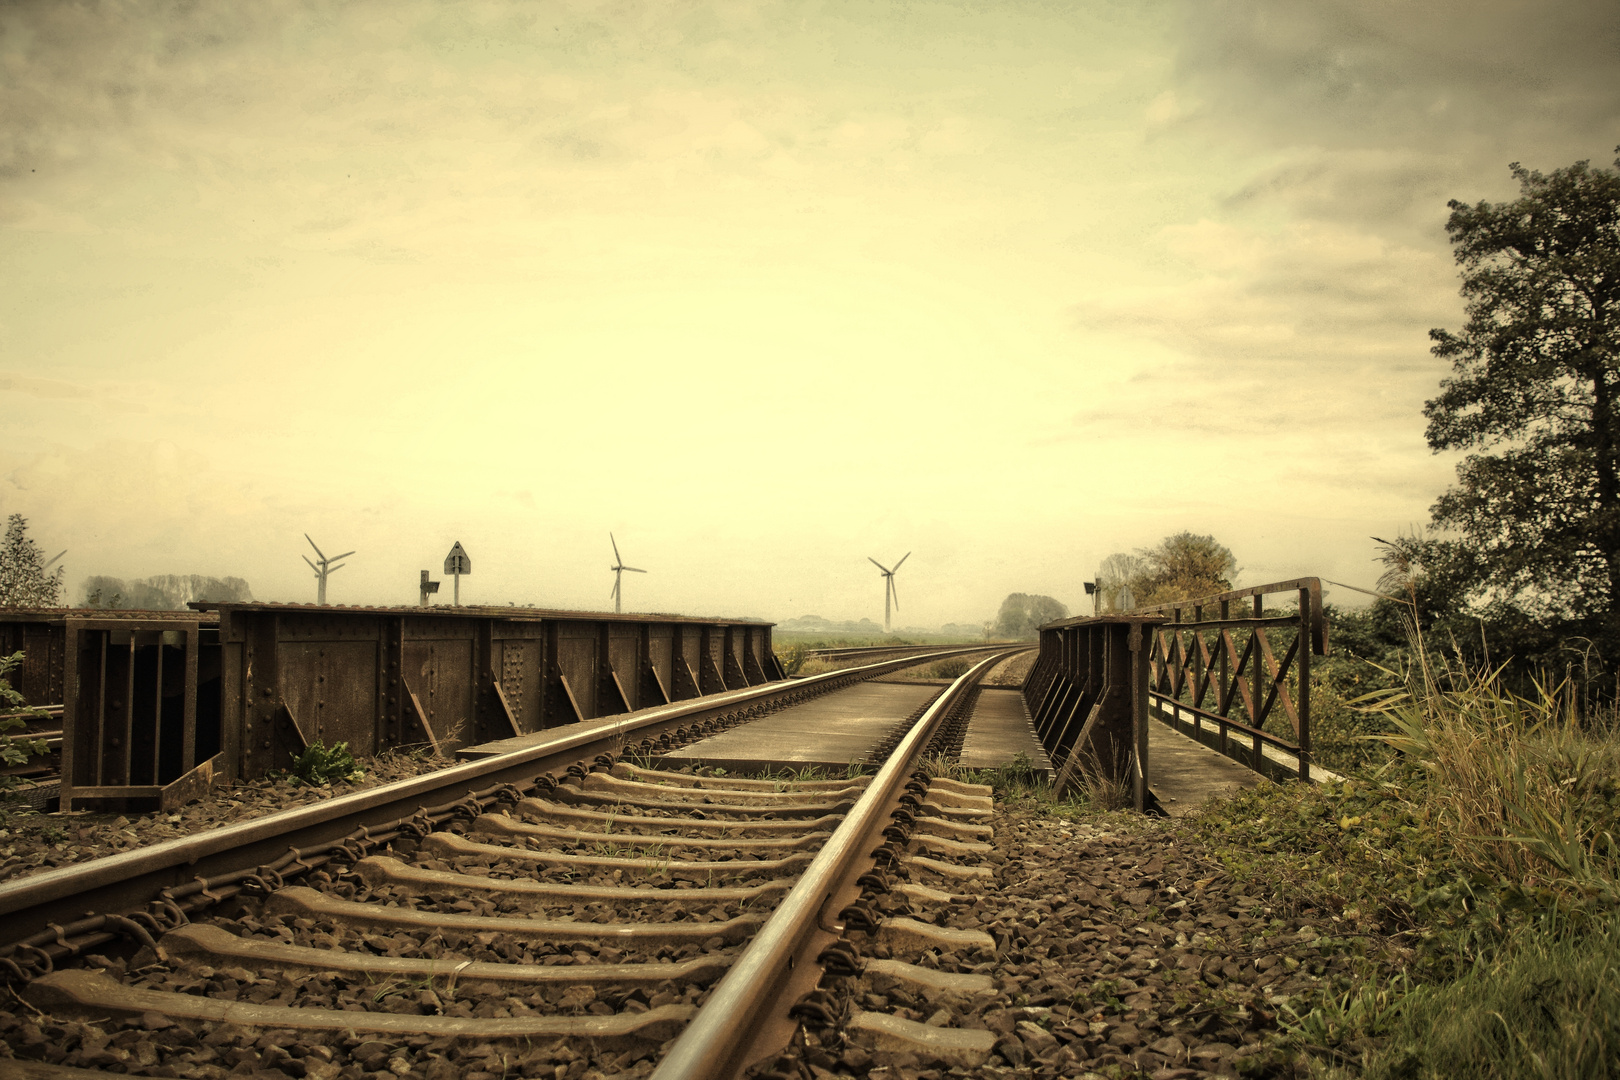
[455, 564]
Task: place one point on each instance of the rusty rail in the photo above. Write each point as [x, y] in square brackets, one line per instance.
[1218, 658]
[734, 1028]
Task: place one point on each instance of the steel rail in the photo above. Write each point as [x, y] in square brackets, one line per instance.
[129, 880]
[725, 1037]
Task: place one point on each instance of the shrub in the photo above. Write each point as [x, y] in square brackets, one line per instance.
[15, 749]
[1520, 790]
[791, 657]
[320, 764]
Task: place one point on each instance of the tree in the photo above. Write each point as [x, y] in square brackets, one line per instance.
[1536, 377]
[1022, 613]
[1182, 567]
[25, 578]
[163, 592]
[1118, 578]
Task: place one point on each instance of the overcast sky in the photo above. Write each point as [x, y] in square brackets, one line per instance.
[764, 289]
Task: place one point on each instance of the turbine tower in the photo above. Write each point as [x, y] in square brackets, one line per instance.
[618, 569]
[322, 567]
[888, 586]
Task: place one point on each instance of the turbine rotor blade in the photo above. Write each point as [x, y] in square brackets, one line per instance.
[345, 555]
[903, 558]
[879, 565]
[896, 593]
[316, 546]
[312, 566]
[633, 570]
[616, 556]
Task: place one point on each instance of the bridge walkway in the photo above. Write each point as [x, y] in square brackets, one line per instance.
[999, 730]
[1184, 774]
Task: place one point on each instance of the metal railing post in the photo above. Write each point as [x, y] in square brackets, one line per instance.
[1303, 666]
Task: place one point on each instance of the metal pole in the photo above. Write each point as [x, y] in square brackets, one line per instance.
[1139, 714]
[457, 602]
[1303, 666]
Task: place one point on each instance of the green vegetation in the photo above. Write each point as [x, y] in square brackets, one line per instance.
[15, 749]
[791, 657]
[1480, 861]
[26, 578]
[320, 764]
[952, 667]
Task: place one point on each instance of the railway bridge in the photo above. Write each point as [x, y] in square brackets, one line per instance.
[637, 844]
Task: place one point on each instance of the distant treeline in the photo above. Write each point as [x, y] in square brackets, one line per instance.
[163, 592]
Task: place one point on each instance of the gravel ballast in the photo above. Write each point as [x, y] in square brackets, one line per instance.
[32, 842]
[1122, 949]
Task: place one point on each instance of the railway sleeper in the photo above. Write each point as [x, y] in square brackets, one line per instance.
[621, 798]
[449, 846]
[216, 947]
[621, 821]
[378, 871]
[300, 901]
[726, 797]
[625, 771]
[498, 824]
[90, 994]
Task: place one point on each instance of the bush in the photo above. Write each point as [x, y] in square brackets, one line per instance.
[320, 764]
[15, 749]
[791, 657]
[1520, 790]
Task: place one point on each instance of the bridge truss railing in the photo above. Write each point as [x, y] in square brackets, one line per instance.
[1221, 666]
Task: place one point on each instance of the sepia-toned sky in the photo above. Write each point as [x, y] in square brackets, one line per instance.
[762, 288]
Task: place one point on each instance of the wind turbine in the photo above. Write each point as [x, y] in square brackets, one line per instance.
[618, 569]
[322, 567]
[888, 586]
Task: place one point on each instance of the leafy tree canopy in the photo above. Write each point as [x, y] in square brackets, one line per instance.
[1182, 567]
[25, 580]
[1022, 613]
[1535, 514]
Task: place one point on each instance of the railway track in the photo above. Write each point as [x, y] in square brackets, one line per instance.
[557, 911]
[874, 652]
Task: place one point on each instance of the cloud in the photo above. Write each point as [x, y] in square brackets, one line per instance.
[1315, 278]
[33, 386]
[1358, 72]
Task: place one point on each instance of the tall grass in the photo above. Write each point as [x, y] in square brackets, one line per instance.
[1541, 1005]
[1517, 797]
[1520, 788]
